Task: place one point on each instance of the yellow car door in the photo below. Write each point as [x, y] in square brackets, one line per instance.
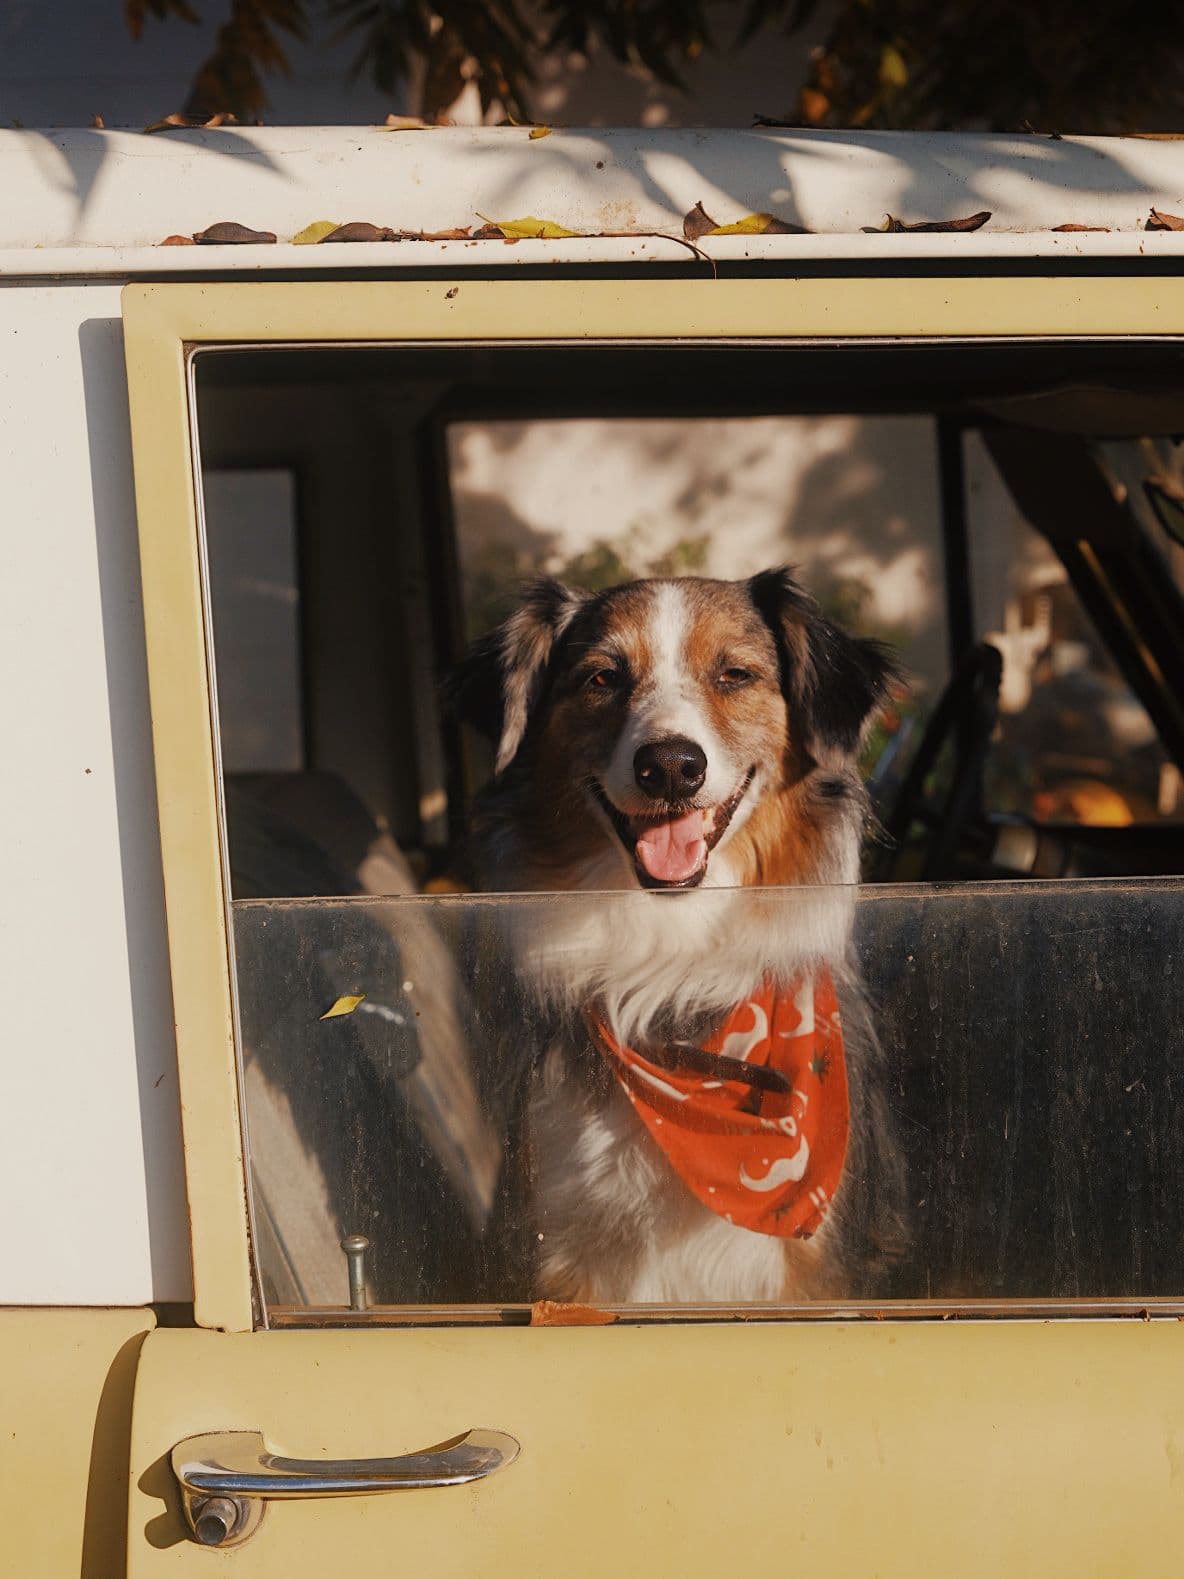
[311, 1438]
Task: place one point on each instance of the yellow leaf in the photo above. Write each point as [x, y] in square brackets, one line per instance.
[530, 229]
[539, 131]
[344, 1005]
[317, 231]
[755, 225]
[893, 71]
[750, 225]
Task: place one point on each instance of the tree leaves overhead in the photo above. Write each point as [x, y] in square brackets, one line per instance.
[659, 35]
[247, 45]
[136, 12]
[450, 41]
[1001, 65]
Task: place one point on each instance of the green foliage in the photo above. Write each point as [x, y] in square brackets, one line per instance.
[986, 64]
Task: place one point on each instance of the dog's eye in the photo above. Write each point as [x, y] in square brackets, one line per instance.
[605, 680]
[733, 677]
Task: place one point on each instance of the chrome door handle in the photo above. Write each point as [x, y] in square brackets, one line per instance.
[228, 1477]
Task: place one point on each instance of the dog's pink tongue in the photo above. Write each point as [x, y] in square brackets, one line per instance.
[673, 851]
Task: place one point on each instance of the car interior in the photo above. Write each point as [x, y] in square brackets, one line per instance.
[1009, 515]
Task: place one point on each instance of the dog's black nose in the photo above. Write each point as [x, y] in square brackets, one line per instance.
[670, 769]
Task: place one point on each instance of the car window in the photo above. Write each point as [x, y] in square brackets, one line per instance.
[984, 1075]
[1074, 744]
[1014, 1051]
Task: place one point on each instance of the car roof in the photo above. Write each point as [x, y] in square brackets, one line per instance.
[97, 201]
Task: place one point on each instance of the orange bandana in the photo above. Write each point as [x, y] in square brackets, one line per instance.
[765, 1160]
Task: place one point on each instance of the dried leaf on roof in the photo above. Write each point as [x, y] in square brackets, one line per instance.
[176, 241]
[697, 223]
[527, 229]
[361, 230]
[178, 122]
[457, 233]
[317, 231]
[758, 225]
[229, 233]
[1158, 220]
[971, 222]
[1058, 228]
[406, 123]
[539, 131]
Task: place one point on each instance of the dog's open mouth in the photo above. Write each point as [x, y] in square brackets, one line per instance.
[671, 850]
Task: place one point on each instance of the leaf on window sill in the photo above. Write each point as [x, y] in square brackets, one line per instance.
[1158, 220]
[344, 1005]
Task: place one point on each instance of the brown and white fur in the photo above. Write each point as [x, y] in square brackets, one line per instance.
[622, 719]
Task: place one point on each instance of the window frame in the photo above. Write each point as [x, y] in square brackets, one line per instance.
[166, 325]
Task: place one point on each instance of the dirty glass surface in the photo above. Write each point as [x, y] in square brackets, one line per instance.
[1028, 1094]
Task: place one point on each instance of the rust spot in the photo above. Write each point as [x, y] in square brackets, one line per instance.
[554, 1313]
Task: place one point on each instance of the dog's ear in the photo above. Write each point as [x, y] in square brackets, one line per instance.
[498, 684]
[834, 680]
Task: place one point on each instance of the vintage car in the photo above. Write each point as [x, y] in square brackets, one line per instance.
[247, 1135]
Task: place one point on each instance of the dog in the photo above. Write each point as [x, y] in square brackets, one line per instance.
[685, 750]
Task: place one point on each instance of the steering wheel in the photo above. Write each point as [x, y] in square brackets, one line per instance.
[967, 709]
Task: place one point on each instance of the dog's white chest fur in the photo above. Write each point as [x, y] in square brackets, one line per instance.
[615, 1224]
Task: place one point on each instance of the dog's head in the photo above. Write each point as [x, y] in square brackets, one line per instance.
[667, 733]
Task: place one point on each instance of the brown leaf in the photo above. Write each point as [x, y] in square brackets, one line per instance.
[359, 230]
[98, 123]
[697, 223]
[457, 233]
[229, 233]
[1161, 221]
[177, 241]
[971, 222]
[1058, 228]
[553, 1313]
[488, 232]
[175, 122]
